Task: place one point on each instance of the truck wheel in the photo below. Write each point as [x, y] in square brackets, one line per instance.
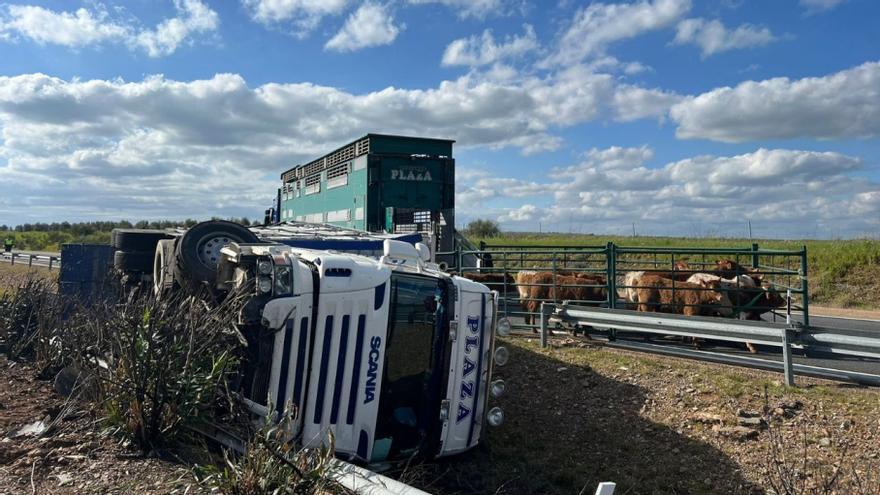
[133, 261]
[143, 240]
[164, 267]
[197, 252]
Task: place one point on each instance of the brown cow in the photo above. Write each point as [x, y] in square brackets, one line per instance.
[755, 301]
[681, 270]
[537, 287]
[726, 268]
[665, 296]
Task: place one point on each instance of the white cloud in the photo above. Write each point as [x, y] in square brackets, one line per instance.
[75, 29]
[596, 26]
[370, 25]
[633, 103]
[524, 213]
[82, 144]
[195, 18]
[484, 50]
[304, 15]
[841, 105]
[155, 148]
[713, 37]
[784, 192]
[815, 6]
[468, 8]
[87, 28]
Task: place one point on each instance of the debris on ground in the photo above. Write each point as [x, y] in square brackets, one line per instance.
[65, 451]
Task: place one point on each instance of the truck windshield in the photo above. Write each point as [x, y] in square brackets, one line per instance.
[409, 403]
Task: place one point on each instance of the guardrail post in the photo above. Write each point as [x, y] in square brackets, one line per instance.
[805, 288]
[30, 260]
[11, 258]
[543, 323]
[787, 364]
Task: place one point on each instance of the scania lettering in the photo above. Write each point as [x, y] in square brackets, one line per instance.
[370, 390]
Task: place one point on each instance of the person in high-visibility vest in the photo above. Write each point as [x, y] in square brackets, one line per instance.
[8, 244]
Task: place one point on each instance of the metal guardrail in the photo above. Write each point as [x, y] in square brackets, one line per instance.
[858, 343]
[20, 258]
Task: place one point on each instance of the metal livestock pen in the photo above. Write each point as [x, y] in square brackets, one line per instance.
[781, 272]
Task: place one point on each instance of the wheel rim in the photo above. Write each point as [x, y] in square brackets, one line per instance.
[209, 248]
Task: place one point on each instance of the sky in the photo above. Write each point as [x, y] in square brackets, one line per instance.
[664, 117]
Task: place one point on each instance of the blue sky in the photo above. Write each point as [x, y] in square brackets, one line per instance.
[683, 117]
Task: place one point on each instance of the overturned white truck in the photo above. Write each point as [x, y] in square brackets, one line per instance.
[382, 348]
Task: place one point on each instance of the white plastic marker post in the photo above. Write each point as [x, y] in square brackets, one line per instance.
[606, 488]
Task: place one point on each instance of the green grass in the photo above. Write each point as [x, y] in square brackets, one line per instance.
[842, 273]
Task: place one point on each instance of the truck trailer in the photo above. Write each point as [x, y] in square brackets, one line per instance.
[378, 183]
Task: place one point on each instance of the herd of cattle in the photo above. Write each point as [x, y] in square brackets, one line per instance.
[724, 290]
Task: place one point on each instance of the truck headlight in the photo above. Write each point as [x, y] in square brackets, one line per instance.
[501, 356]
[495, 416]
[283, 281]
[497, 388]
[264, 284]
[264, 267]
[503, 327]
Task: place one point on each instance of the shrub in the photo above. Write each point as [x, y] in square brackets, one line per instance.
[162, 365]
[483, 228]
[30, 314]
[272, 464]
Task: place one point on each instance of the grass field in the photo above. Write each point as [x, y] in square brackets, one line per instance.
[842, 273]
[12, 275]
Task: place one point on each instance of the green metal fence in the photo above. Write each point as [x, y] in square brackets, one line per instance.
[597, 275]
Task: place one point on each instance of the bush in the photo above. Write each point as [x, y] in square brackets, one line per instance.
[271, 464]
[483, 228]
[30, 314]
[795, 465]
[162, 365]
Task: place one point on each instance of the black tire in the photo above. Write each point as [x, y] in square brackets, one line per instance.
[133, 261]
[197, 251]
[142, 240]
[164, 264]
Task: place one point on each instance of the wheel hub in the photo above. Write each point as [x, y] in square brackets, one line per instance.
[209, 249]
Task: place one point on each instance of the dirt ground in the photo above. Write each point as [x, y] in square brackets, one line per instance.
[860, 314]
[578, 414]
[75, 456]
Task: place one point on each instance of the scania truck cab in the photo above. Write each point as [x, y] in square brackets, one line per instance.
[359, 336]
[390, 354]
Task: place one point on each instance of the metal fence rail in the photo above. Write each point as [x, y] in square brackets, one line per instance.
[776, 271]
[43, 260]
[857, 343]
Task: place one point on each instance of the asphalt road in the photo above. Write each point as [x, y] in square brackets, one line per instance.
[847, 363]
